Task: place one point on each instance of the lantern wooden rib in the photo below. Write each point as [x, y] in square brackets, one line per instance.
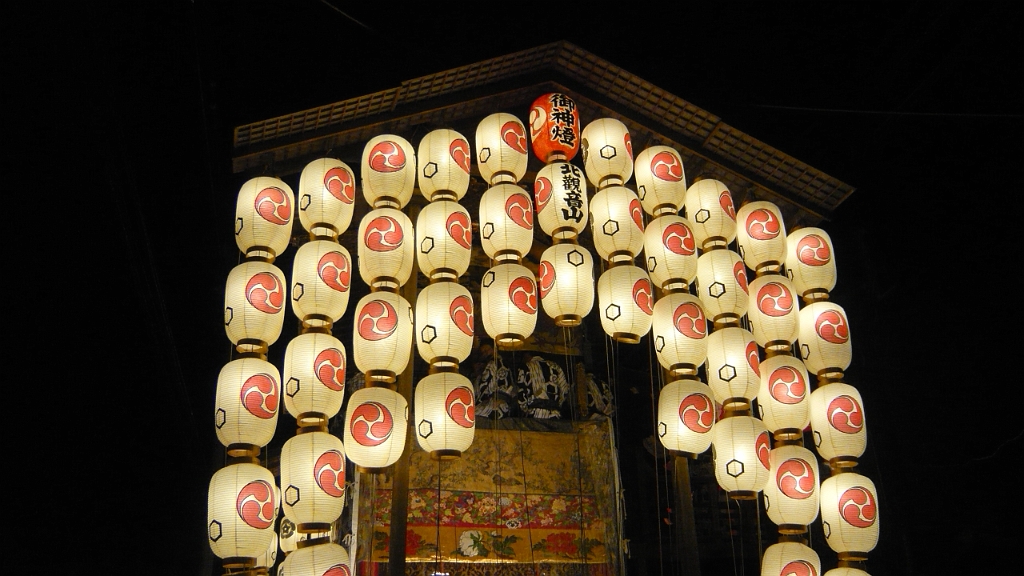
[388, 171]
[733, 365]
[445, 414]
[790, 559]
[617, 224]
[607, 152]
[444, 240]
[508, 298]
[254, 303]
[761, 235]
[722, 284]
[671, 252]
[784, 396]
[680, 330]
[560, 199]
[792, 492]
[506, 222]
[566, 283]
[241, 510]
[773, 311]
[326, 199]
[263, 217]
[315, 366]
[444, 158]
[710, 209]
[382, 335]
[321, 277]
[386, 248]
[248, 402]
[825, 344]
[445, 323]
[376, 423]
[810, 261]
[838, 424]
[501, 154]
[313, 478]
[686, 415]
[660, 180]
[849, 514]
[625, 301]
[741, 446]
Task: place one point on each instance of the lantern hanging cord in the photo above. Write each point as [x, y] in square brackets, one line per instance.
[336, 9]
[657, 473]
[732, 537]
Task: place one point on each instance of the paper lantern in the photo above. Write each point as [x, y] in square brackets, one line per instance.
[508, 298]
[444, 323]
[263, 217]
[327, 194]
[784, 396]
[241, 510]
[761, 235]
[566, 283]
[849, 514]
[445, 414]
[501, 148]
[248, 402]
[722, 284]
[618, 224]
[313, 479]
[790, 559]
[607, 152]
[321, 276]
[269, 558]
[506, 222]
[314, 375]
[671, 252]
[386, 247]
[838, 425]
[327, 559]
[846, 571]
[680, 330]
[444, 157]
[733, 365]
[740, 449]
[444, 239]
[825, 345]
[686, 415]
[289, 537]
[660, 180]
[388, 171]
[254, 302]
[710, 209]
[382, 335]
[560, 198]
[626, 302]
[810, 261]
[773, 311]
[791, 495]
[375, 427]
[554, 127]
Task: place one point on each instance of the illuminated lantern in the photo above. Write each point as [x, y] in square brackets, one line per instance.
[837, 421]
[733, 365]
[254, 302]
[825, 345]
[554, 128]
[626, 302]
[722, 284]
[560, 198]
[761, 235]
[289, 537]
[327, 559]
[248, 402]
[269, 558]
[444, 323]
[810, 261]
[386, 247]
[321, 276]
[388, 171]
[773, 311]
[846, 571]
[445, 414]
[327, 194]
[710, 209]
[791, 495]
[382, 335]
[506, 222]
[849, 515]
[618, 224]
[241, 510]
[740, 449]
[314, 375]
[680, 330]
[444, 239]
[313, 480]
[263, 217]
[375, 427]
[671, 252]
[508, 295]
[784, 397]
[790, 559]
[566, 283]
[607, 152]
[660, 180]
[444, 157]
[501, 148]
[686, 415]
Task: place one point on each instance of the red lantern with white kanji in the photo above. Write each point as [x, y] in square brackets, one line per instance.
[554, 127]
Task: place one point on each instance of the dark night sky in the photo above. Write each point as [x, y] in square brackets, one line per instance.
[919, 105]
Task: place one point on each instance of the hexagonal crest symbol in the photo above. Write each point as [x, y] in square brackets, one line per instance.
[239, 224]
[430, 169]
[608, 152]
[641, 191]
[805, 351]
[428, 334]
[659, 343]
[610, 228]
[304, 202]
[425, 428]
[734, 468]
[702, 215]
[216, 531]
[291, 388]
[817, 439]
[826, 528]
[488, 279]
[613, 311]
[575, 257]
[229, 315]
[789, 273]
[767, 501]
[485, 154]
[716, 290]
[662, 429]
[297, 291]
[291, 495]
[221, 418]
[427, 245]
[488, 230]
[652, 263]
[727, 372]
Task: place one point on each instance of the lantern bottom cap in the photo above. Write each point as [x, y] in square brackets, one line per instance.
[446, 454]
[626, 337]
[743, 495]
[243, 451]
[509, 340]
[568, 320]
[380, 378]
[792, 529]
[313, 527]
[371, 470]
[238, 562]
[852, 556]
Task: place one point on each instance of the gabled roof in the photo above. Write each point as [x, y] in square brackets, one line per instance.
[460, 97]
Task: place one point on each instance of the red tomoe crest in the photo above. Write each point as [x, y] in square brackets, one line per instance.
[255, 504]
[459, 150]
[383, 234]
[689, 320]
[636, 213]
[459, 406]
[329, 472]
[813, 250]
[461, 311]
[547, 277]
[341, 184]
[725, 201]
[518, 208]
[762, 225]
[387, 156]
[763, 448]
[460, 229]
[342, 570]
[334, 270]
[629, 145]
[774, 299]
[371, 424]
[263, 292]
[845, 414]
[538, 118]
[260, 396]
[798, 568]
[513, 134]
[377, 320]
[697, 412]
[740, 272]
[857, 506]
[795, 479]
[666, 166]
[523, 293]
[542, 192]
[642, 295]
[752, 358]
[787, 385]
[330, 369]
[273, 205]
[831, 327]
[678, 239]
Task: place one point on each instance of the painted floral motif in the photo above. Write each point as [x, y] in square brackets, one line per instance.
[475, 543]
[567, 545]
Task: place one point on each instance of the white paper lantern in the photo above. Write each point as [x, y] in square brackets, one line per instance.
[773, 311]
[327, 194]
[508, 298]
[254, 302]
[248, 402]
[321, 276]
[846, 571]
[444, 158]
[289, 538]
[382, 335]
[671, 252]
[791, 495]
[386, 247]
[313, 478]
[660, 180]
[241, 509]
[686, 415]
[784, 397]
[444, 323]
[790, 559]
[710, 209]
[825, 344]
[849, 514]
[810, 261]
[560, 198]
[618, 224]
[722, 284]
[388, 171]
[375, 427]
[607, 152]
[566, 283]
[444, 240]
[626, 303]
[733, 365]
[327, 559]
[837, 421]
[506, 222]
[761, 235]
[501, 148]
[741, 447]
[314, 375]
[269, 558]
[263, 217]
[445, 414]
[680, 330]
